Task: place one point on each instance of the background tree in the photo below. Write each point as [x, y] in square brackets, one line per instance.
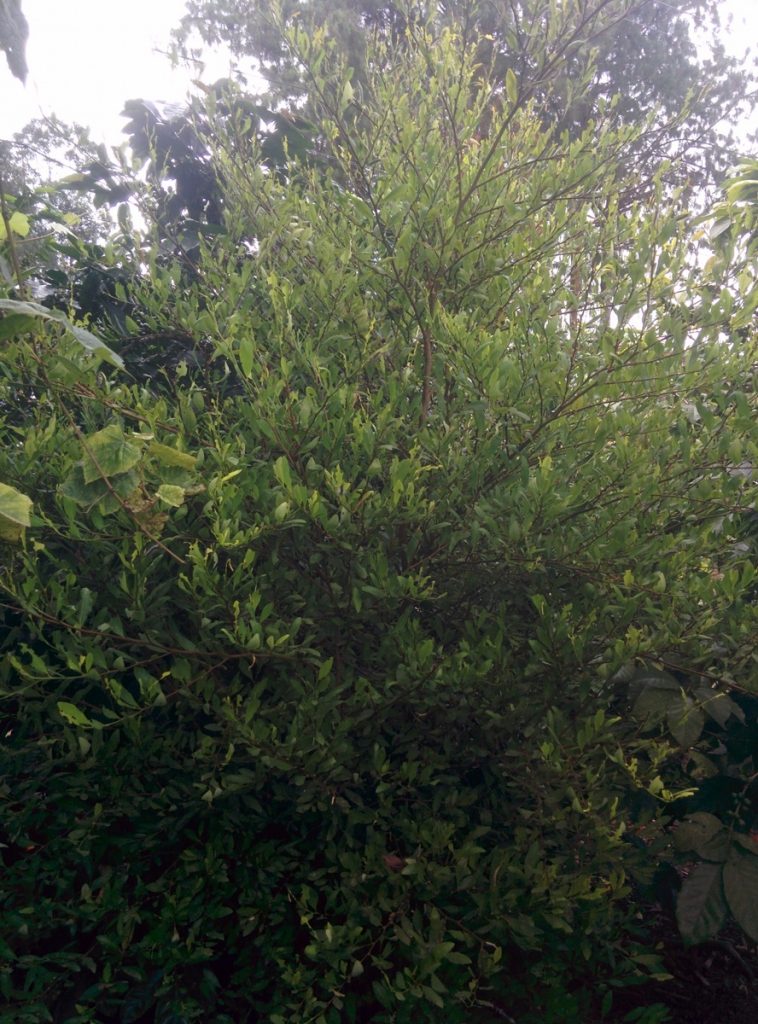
[60, 223]
[568, 57]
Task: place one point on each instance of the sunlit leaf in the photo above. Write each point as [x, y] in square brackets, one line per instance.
[15, 513]
[171, 457]
[171, 495]
[18, 223]
[73, 715]
[511, 85]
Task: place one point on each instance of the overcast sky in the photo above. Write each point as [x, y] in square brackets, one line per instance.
[87, 57]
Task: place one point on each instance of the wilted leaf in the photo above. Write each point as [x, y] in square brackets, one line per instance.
[393, 862]
[719, 227]
[645, 678]
[656, 692]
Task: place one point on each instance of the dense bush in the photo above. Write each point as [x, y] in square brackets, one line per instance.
[316, 677]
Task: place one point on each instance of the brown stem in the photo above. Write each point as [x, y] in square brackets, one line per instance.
[426, 337]
[426, 395]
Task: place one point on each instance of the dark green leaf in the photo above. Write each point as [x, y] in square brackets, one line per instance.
[741, 888]
[701, 908]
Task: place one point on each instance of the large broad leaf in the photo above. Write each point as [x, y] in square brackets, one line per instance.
[656, 692]
[685, 720]
[17, 222]
[705, 834]
[701, 908]
[741, 889]
[100, 491]
[15, 510]
[86, 339]
[108, 453]
[719, 706]
[659, 698]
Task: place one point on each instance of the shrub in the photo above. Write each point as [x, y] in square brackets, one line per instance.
[315, 698]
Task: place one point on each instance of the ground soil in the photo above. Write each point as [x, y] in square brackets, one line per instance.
[713, 983]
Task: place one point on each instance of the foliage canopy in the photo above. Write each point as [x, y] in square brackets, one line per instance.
[343, 669]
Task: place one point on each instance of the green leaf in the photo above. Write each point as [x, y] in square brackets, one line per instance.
[15, 324]
[171, 457]
[657, 692]
[511, 86]
[86, 339]
[741, 889]
[325, 668]
[246, 354]
[86, 603]
[15, 513]
[704, 834]
[18, 223]
[282, 471]
[150, 688]
[98, 492]
[685, 720]
[108, 453]
[121, 694]
[701, 908]
[719, 706]
[73, 715]
[660, 697]
[171, 494]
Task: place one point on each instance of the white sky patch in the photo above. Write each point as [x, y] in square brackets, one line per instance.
[88, 57]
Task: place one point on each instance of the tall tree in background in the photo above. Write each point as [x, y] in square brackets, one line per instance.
[568, 56]
[61, 254]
